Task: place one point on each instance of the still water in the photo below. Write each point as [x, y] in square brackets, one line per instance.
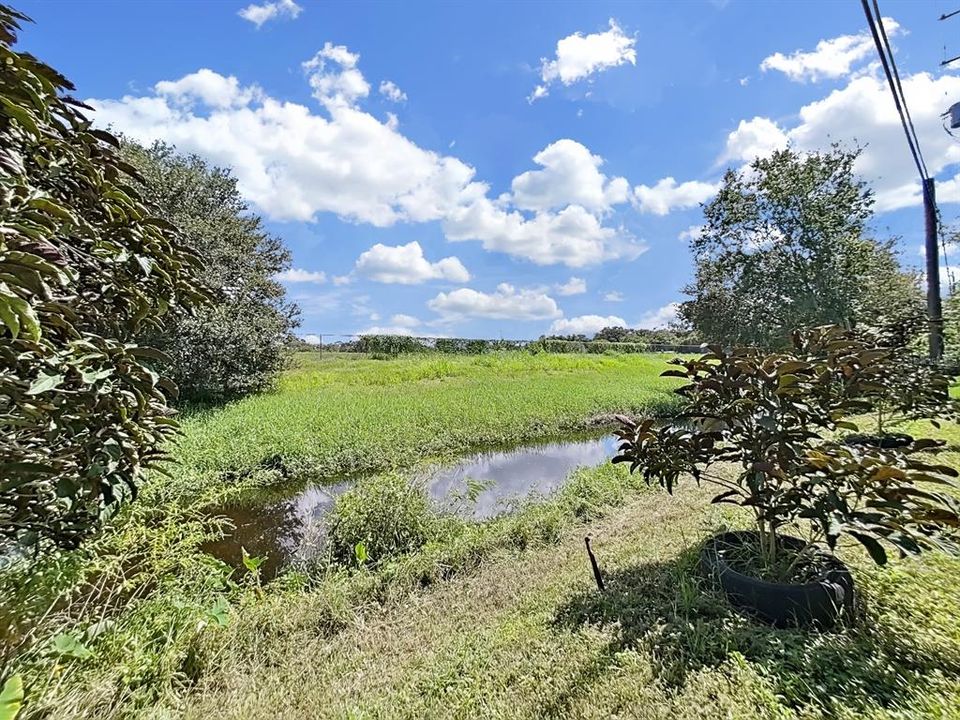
[290, 529]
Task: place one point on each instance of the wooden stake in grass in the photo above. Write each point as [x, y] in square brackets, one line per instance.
[593, 563]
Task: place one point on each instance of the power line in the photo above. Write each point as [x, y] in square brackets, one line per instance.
[931, 215]
[914, 151]
[896, 75]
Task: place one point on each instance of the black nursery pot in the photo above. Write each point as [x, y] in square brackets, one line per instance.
[886, 441]
[819, 603]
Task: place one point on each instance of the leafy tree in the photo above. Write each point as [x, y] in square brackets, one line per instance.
[784, 246]
[238, 343]
[614, 333]
[84, 267]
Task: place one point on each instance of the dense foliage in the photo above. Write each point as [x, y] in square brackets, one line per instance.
[592, 347]
[383, 345]
[672, 336]
[84, 266]
[784, 245]
[237, 344]
[775, 415]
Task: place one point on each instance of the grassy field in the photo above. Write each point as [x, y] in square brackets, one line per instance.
[344, 415]
[449, 618]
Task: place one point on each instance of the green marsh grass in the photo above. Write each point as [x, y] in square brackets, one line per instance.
[337, 415]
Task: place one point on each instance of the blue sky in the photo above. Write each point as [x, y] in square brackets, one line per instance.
[505, 169]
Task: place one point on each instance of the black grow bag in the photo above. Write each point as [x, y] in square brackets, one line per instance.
[819, 603]
[885, 441]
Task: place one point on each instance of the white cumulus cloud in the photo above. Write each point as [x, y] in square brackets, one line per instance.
[259, 14]
[298, 275]
[293, 163]
[573, 286]
[572, 236]
[669, 195]
[209, 88]
[406, 265]
[757, 137]
[391, 92]
[585, 324]
[407, 321]
[691, 233]
[863, 112]
[580, 56]
[832, 58]
[506, 303]
[613, 296]
[570, 176]
[659, 318]
[334, 76]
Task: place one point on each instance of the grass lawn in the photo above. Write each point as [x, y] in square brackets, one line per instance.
[490, 620]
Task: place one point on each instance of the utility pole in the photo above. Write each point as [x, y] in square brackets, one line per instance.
[934, 306]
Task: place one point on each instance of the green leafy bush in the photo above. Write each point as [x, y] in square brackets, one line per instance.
[775, 417]
[84, 266]
[238, 344]
[378, 519]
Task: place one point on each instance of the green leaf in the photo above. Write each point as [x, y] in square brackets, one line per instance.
[29, 323]
[11, 698]
[792, 366]
[91, 376]
[45, 383]
[20, 115]
[724, 497]
[251, 562]
[360, 551]
[146, 264]
[873, 547]
[66, 645]
[9, 318]
[150, 353]
[219, 612]
[53, 208]
[99, 628]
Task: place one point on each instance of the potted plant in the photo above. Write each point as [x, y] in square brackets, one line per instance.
[761, 426]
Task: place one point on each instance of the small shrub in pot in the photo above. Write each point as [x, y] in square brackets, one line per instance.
[761, 426]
